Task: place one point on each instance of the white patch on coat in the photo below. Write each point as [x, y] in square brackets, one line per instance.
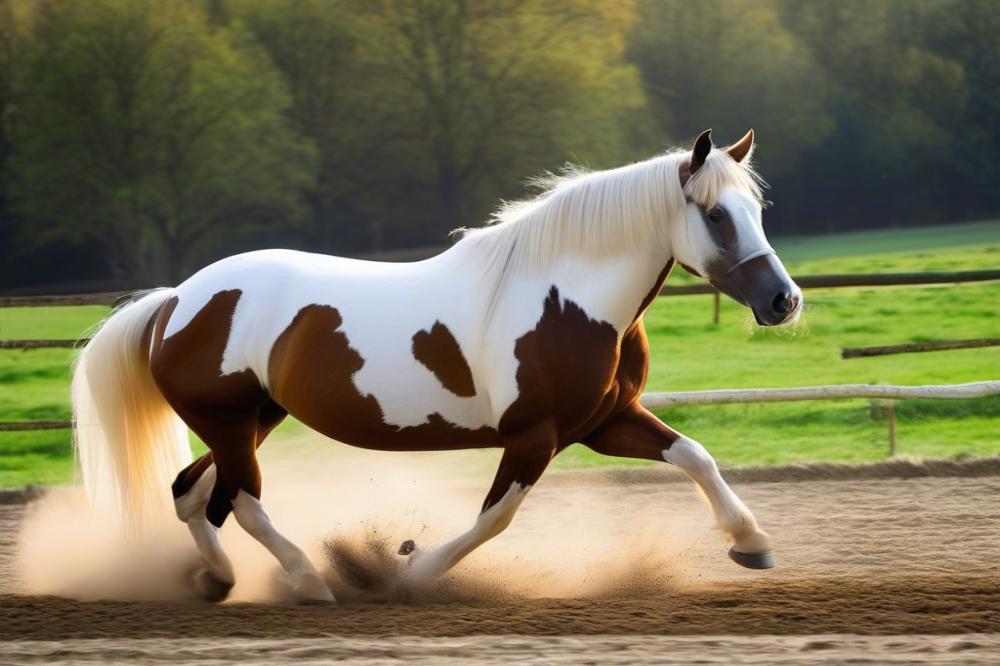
[745, 213]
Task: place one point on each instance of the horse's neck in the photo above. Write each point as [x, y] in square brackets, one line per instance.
[612, 289]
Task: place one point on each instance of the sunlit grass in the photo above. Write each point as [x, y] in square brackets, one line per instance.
[689, 353]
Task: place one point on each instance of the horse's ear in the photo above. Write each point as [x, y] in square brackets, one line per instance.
[702, 147]
[741, 149]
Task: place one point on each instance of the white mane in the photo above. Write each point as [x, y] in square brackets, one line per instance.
[603, 213]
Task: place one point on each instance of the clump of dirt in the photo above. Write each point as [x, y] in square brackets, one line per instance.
[366, 568]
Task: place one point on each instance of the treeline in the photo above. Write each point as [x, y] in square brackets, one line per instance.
[142, 138]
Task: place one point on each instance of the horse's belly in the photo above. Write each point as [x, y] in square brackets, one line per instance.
[357, 420]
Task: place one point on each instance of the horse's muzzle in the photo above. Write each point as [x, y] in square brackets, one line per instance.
[763, 285]
[784, 307]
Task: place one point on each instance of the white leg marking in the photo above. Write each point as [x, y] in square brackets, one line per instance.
[429, 564]
[731, 514]
[190, 508]
[253, 517]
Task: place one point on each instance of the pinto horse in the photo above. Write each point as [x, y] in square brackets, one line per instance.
[526, 335]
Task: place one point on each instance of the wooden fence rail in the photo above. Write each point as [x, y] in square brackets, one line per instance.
[856, 280]
[833, 392]
[910, 347]
[42, 344]
[886, 392]
[108, 298]
[735, 396]
[831, 281]
[16, 426]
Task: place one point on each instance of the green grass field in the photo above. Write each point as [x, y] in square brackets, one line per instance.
[691, 353]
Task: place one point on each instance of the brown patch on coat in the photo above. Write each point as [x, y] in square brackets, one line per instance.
[691, 270]
[566, 368]
[271, 414]
[231, 413]
[187, 366]
[633, 433]
[439, 351]
[311, 374]
[573, 375]
[655, 290]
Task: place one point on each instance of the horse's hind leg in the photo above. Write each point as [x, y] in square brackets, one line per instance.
[236, 489]
[239, 487]
[637, 433]
[524, 460]
[192, 491]
[253, 517]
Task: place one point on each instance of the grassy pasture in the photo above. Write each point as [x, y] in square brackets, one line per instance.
[688, 353]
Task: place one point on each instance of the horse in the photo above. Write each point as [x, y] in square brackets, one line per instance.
[526, 334]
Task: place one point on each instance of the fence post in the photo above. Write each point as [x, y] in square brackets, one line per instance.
[715, 307]
[891, 420]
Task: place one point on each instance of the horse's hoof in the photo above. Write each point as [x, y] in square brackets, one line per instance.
[312, 589]
[209, 587]
[752, 560]
[407, 547]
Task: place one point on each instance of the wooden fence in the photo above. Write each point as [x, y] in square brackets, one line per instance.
[887, 392]
[832, 281]
[833, 392]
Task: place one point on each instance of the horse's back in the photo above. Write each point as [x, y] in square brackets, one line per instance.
[369, 353]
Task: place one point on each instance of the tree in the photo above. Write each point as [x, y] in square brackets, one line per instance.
[497, 90]
[140, 125]
[732, 65]
[965, 32]
[9, 41]
[424, 110]
[339, 104]
[896, 106]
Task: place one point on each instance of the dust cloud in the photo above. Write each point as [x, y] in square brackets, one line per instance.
[350, 509]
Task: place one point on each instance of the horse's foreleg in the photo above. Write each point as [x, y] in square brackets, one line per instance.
[637, 433]
[524, 460]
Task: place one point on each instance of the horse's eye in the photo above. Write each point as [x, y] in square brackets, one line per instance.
[716, 215]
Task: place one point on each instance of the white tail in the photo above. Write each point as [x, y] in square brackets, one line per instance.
[129, 441]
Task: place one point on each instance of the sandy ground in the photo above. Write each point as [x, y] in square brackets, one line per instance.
[597, 568]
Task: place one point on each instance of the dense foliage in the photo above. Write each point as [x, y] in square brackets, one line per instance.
[140, 139]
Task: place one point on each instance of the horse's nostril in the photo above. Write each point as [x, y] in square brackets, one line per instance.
[782, 303]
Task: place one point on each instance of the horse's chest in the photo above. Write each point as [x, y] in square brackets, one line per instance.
[573, 371]
[629, 378]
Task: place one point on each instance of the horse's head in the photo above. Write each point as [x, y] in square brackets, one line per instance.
[722, 238]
